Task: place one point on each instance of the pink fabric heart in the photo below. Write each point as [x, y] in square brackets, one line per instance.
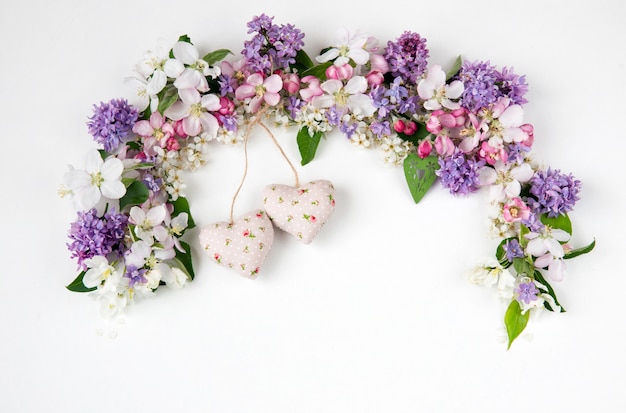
[241, 245]
[300, 211]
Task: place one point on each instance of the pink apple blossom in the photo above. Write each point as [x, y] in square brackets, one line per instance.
[260, 90]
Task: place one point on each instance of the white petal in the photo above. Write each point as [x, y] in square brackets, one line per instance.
[560, 235]
[93, 161]
[112, 169]
[514, 135]
[437, 76]
[156, 83]
[177, 111]
[425, 89]
[113, 189]
[75, 179]
[544, 261]
[487, 176]
[210, 102]
[188, 80]
[87, 197]
[189, 96]
[432, 104]
[332, 86]
[186, 52]
[536, 247]
[522, 173]
[357, 84]
[512, 189]
[173, 68]
[556, 271]
[209, 124]
[156, 214]
[137, 215]
[454, 90]
[359, 56]
[512, 117]
[555, 248]
[327, 56]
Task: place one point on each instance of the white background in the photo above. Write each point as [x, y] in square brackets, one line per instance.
[375, 315]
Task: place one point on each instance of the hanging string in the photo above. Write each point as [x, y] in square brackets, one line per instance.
[257, 120]
[295, 173]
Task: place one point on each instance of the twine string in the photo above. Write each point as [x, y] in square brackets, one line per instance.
[257, 121]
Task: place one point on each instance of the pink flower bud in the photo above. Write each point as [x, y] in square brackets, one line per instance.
[434, 124]
[424, 148]
[172, 144]
[339, 72]
[378, 64]
[399, 126]
[410, 128]
[291, 83]
[374, 78]
[178, 128]
[227, 106]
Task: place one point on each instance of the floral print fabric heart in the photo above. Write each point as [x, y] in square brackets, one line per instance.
[300, 211]
[241, 245]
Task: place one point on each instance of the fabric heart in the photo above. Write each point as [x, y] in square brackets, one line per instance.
[241, 245]
[300, 211]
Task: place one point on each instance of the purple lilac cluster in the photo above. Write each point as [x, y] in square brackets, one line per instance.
[272, 46]
[91, 235]
[459, 173]
[513, 249]
[407, 57]
[527, 292]
[395, 98]
[555, 193]
[484, 85]
[112, 123]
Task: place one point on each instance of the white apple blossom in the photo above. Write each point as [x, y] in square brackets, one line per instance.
[100, 178]
[348, 47]
[148, 224]
[436, 92]
[490, 273]
[352, 96]
[504, 179]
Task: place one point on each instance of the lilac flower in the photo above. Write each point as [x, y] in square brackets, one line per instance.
[91, 235]
[533, 223]
[272, 46]
[527, 292]
[112, 123]
[479, 79]
[294, 106]
[348, 128]
[333, 115]
[515, 152]
[228, 122]
[407, 57]
[135, 275]
[513, 250]
[512, 85]
[381, 101]
[459, 174]
[555, 193]
[153, 184]
[380, 129]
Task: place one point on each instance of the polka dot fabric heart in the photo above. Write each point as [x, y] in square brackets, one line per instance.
[241, 245]
[300, 211]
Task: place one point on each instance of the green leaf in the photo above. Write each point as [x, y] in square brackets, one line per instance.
[182, 205]
[561, 222]
[523, 241]
[580, 251]
[303, 62]
[515, 321]
[184, 259]
[455, 68]
[136, 193]
[539, 277]
[523, 267]
[78, 286]
[216, 56]
[307, 144]
[167, 97]
[184, 38]
[420, 174]
[318, 71]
